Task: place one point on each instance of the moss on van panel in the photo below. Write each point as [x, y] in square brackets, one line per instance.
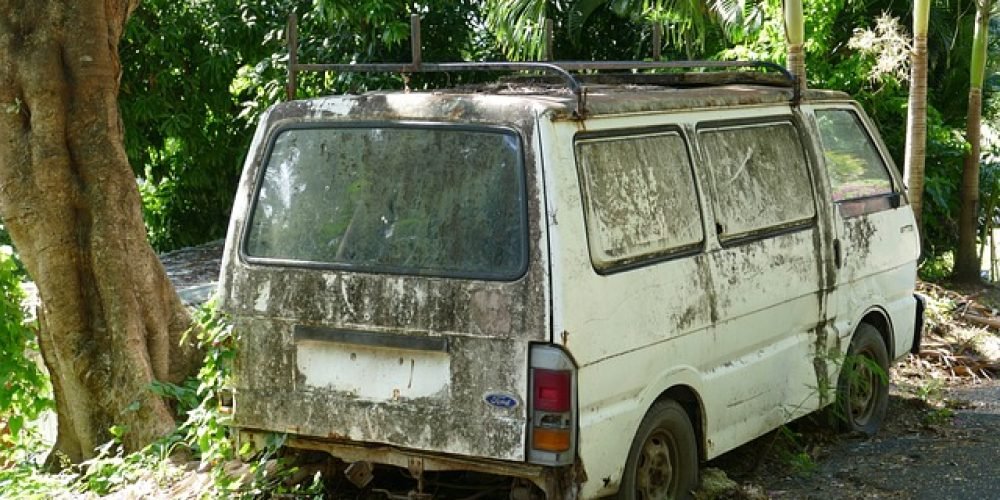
[640, 196]
[760, 176]
[272, 394]
[488, 324]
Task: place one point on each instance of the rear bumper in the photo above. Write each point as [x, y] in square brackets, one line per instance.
[551, 480]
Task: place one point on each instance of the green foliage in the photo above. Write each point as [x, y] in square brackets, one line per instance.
[183, 135]
[793, 451]
[25, 391]
[196, 75]
[937, 268]
[946, 148]
[613, 30]
[204, 435]
[205, 430]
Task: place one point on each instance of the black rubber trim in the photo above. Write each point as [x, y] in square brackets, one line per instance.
[918, 326]
[370, 339]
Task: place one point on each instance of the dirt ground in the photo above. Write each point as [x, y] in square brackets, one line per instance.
[934, 451]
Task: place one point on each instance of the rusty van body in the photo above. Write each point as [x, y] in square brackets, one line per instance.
[491, 280]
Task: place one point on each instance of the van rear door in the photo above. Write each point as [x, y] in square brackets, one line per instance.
[385, 281]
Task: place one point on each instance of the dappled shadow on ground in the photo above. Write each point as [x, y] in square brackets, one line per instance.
[925, 450]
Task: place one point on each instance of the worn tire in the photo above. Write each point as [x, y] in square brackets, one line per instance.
[663, 460]
[863, 384]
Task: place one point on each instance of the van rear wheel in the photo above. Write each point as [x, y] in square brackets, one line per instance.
[863, 385]
[663, 460]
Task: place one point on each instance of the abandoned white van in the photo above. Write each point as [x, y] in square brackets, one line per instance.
[588, 287]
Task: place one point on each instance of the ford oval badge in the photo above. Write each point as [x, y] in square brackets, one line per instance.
[500, 399]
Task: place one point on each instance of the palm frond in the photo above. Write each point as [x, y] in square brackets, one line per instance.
[519, 26]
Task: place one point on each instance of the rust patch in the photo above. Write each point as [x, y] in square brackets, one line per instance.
[707, 284]
[821, 364]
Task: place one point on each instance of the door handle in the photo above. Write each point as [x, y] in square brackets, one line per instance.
[838, 257]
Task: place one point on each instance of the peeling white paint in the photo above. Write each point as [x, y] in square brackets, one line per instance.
[263, 297]
[341, 106]
[376, 374]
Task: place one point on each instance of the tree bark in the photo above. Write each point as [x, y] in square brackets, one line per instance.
[967, 265]
[111, 322]
[916, 118]
[795, 39]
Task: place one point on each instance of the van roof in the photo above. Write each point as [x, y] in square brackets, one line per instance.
[516, 100]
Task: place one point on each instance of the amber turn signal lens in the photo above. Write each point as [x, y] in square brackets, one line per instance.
[554, 440]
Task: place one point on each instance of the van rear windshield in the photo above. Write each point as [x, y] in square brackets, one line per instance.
[409, 199]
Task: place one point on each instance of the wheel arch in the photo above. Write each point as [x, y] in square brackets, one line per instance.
[879, 318]
[689, 399]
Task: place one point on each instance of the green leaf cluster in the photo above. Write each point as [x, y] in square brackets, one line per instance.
[197, 74]
[25, 391]
[183, 133]
[204, 436]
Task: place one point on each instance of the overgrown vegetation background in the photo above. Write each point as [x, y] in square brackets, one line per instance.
[198, 73]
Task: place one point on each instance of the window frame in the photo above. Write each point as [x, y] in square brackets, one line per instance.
[520, 173]
[769, 231]
[862, 205]
[653, 257]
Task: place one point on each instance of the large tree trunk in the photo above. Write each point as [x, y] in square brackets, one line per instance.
[967, 264]
[111, 322]
[916, 118]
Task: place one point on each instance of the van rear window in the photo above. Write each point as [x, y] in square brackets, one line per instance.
[409, 199]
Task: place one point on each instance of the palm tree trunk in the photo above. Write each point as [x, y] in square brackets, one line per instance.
[967, 266]
[795, 37]
[916, 119]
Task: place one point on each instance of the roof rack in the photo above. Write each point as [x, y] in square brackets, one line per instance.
[559, 69]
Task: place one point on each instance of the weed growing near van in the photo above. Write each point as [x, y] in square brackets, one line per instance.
[25, 392]
[794, 453]
[937, 267]
[161, 466]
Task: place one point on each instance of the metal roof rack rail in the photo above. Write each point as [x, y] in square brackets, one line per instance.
[560, 69]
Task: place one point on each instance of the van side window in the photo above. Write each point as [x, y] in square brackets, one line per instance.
[761, 178]
[853, 163]
[639, 197]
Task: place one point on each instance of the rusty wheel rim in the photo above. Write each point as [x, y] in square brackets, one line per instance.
[655, 472]
[863, 389]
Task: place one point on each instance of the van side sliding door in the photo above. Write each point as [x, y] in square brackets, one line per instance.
[876, 246]
[767, 276]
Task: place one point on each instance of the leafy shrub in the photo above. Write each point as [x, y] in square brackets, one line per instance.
[25, 391]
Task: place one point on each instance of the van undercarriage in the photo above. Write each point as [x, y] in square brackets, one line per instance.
[553, 482]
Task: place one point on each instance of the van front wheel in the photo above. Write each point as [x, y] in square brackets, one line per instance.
[863, 385]
[663, 460]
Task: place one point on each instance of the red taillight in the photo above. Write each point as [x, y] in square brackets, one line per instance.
[552, 411]
[553, 390]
